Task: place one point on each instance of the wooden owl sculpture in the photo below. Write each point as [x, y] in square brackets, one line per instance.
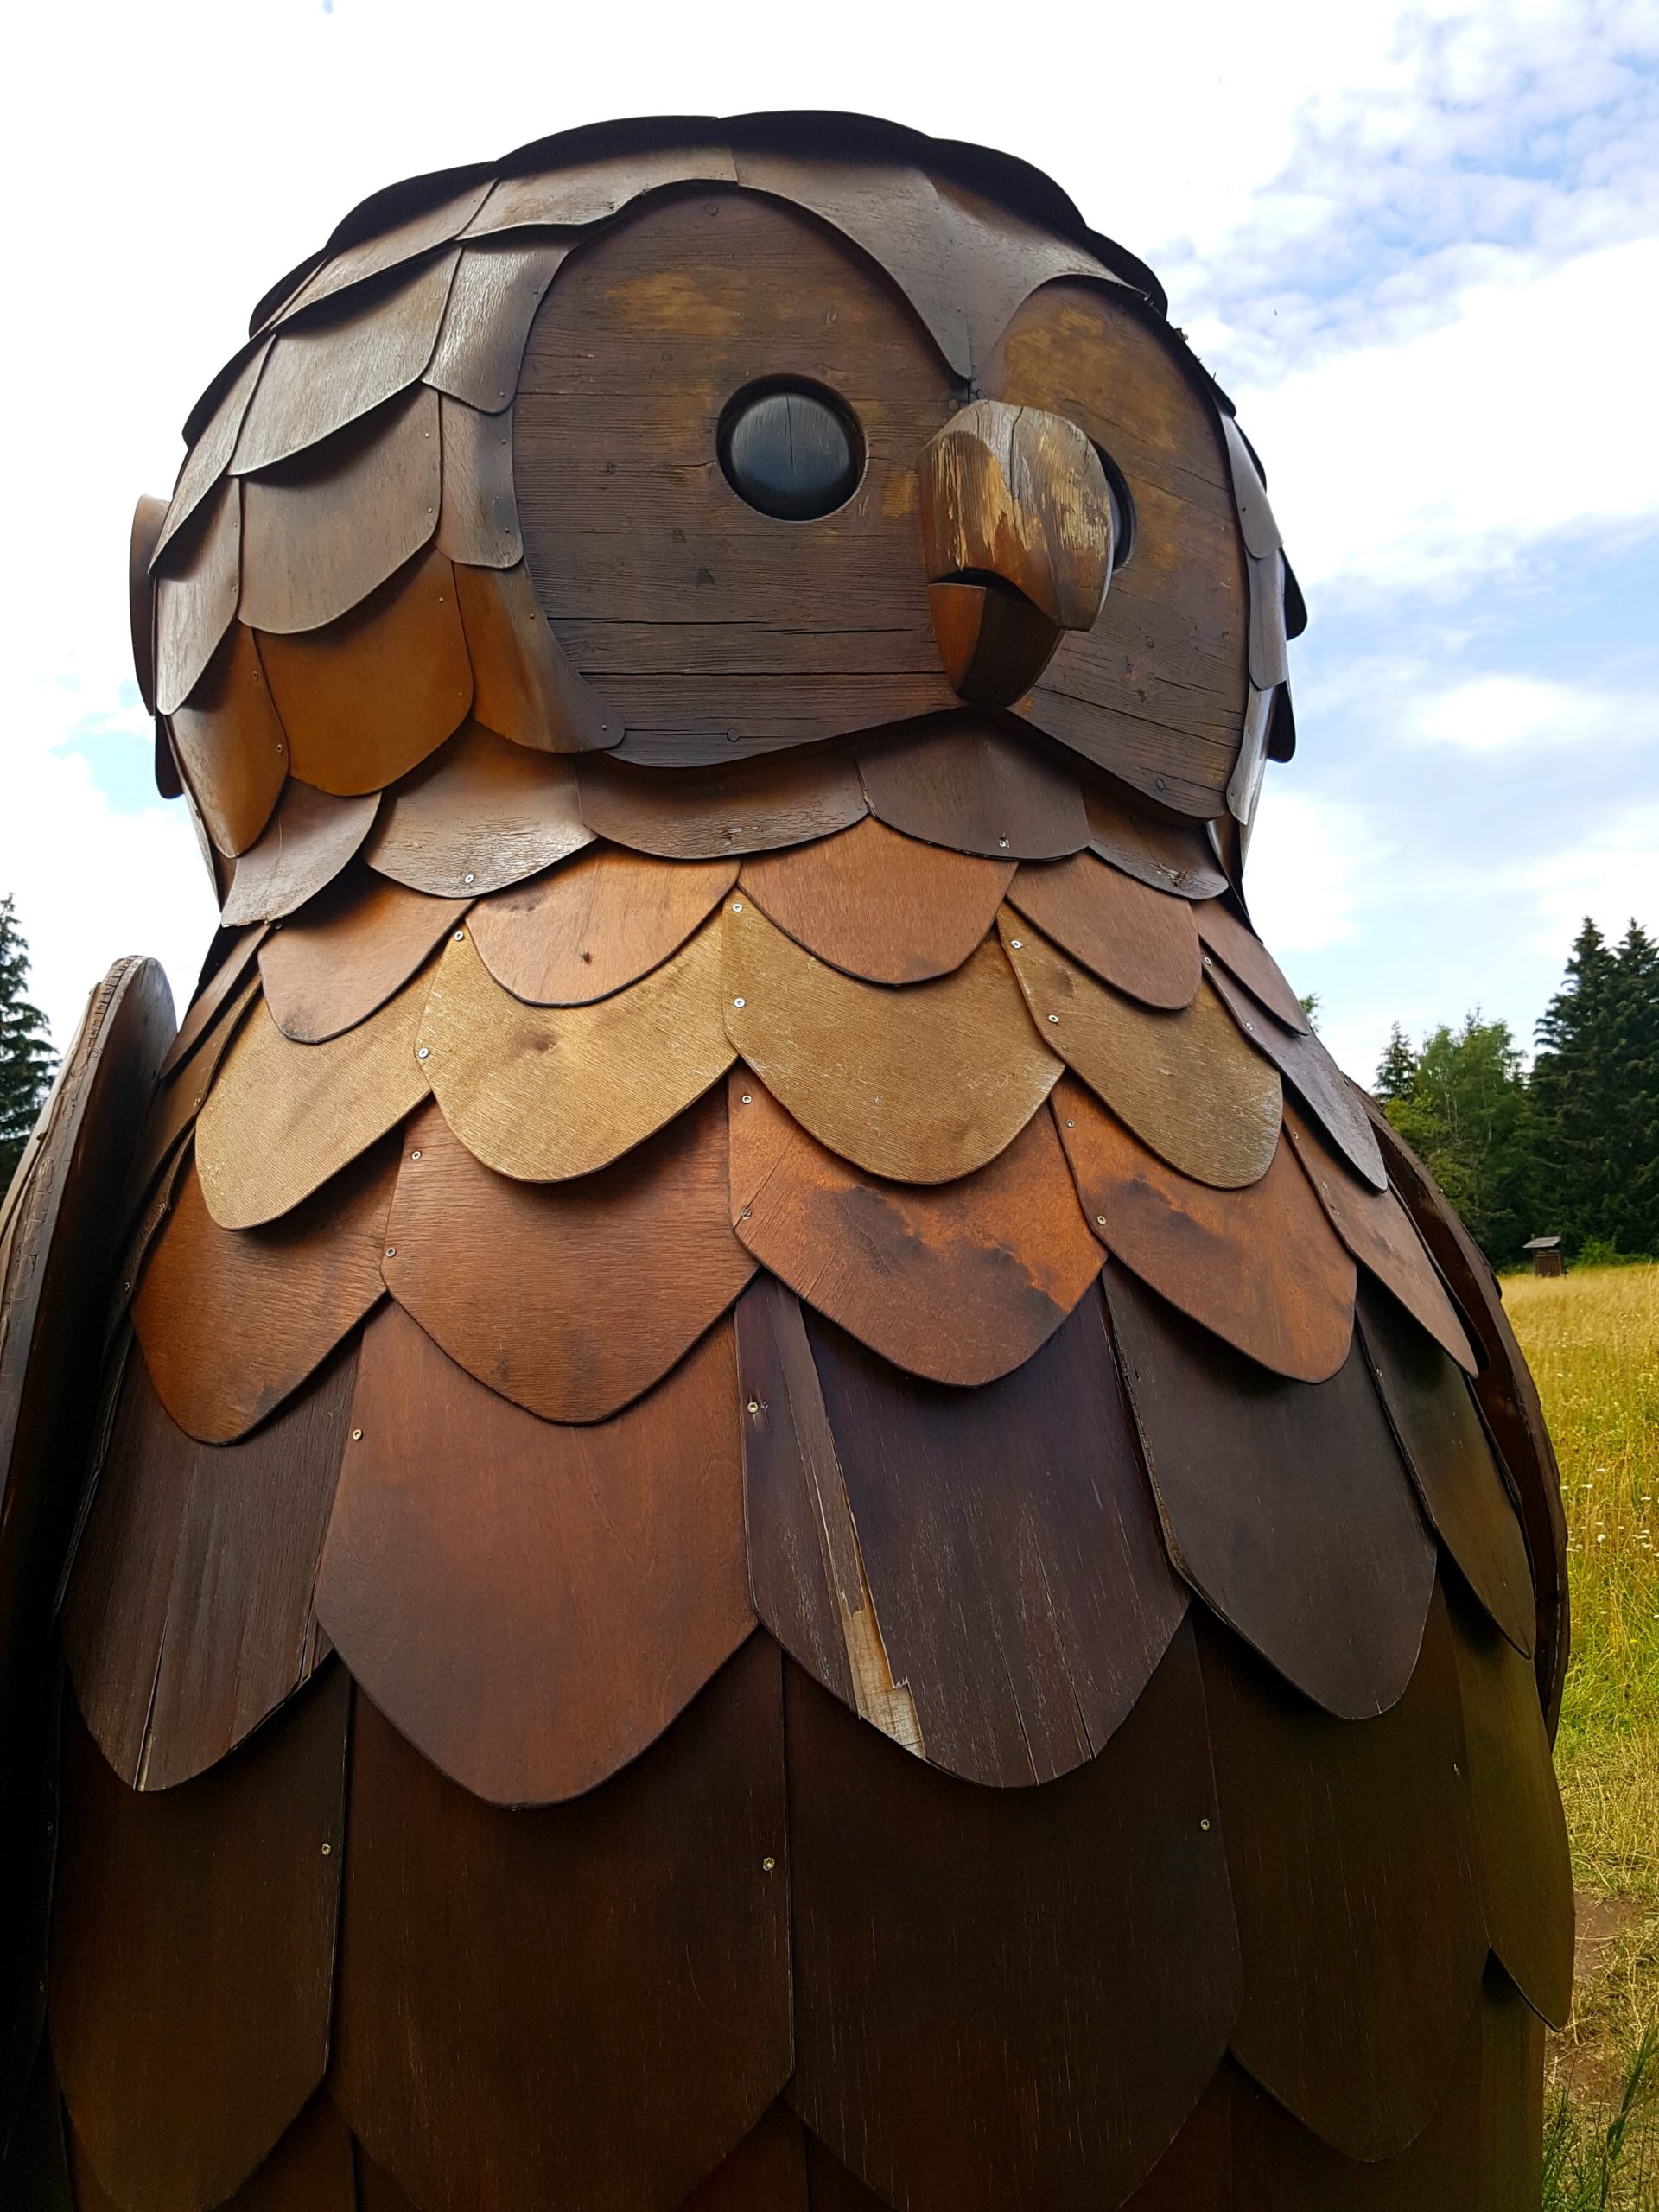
[757, 1491]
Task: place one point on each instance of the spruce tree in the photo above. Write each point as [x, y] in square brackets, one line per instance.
[27, 1059]
[1396, 1071]
[1595, 1089]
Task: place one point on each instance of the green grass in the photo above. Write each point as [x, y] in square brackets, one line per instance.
[1593, 1340]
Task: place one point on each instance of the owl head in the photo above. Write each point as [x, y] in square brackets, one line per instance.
[660, 446]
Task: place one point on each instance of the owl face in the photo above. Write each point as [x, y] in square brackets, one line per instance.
[689, 453]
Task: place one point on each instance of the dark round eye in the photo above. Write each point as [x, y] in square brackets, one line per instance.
[1123, 508]
[791, 449]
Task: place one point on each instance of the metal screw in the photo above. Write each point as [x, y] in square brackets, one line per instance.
[1016, 944]
[357, 1436]
[754, 1405]
[326, 1849]
[737, 905]
[747, 1098]
[767, 1864]
[391, 1251]
[1099, 1221]
[1205, 1825]
[466, 879]
[422, 1052]
[1002, 844]
[1053, 1017]
[737, 1001]
[461, 937]
[416, 1152]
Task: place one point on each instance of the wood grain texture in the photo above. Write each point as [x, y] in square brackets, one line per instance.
[960, 1282]
[964, 786]
[588, 190]
[1508, 1398]
[193, 1956]
[1249, 960]
[478, 815]
[953, 2038]
[805, 1571]
[1335, 1103]
[211, 997]
[368, 697]
[325, 370]
[1019, 493]
[188, 1618]
[232, 1321]
[1352, 1850]
[206, 461]
[1010, 1547]
[596, 924]
[346, 952]
[1378, 1230]
[308, 841]
[309, 2170]
[615, 1969]
[1260, 1267]
[766, 2173]
[923, 1084]
[526, 687]
[1170, 857]
[478, 523]
[195, 596]
[529, 1603]
[1141, 940]
[322, 532]
[1520, 1829]
[544, 1092]
[1185, 1082]
[230, 746]
[1281, 2166]
[1154, 691]
[1440, 1430]
[699, 814]
[56, 1220]
[497, 289]
[1286, 1504]
[714, 628]
[282, 1118]
[571, 1298]
[401, 242]
[176, 1105]
[879, 905]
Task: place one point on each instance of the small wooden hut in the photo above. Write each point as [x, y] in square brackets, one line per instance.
[1546, 1255]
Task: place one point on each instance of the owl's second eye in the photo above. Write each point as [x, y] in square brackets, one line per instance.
[793, 450]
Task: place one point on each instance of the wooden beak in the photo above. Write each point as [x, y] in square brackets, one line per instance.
[1017, 529]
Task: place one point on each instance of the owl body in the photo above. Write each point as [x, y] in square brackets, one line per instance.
[790, 1506]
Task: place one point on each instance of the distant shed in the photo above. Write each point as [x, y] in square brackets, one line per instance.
[1546, 1255]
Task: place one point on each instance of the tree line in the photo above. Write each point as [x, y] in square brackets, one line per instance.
[1568, 1147]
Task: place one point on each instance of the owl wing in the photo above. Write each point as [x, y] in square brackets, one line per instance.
[56, 1264]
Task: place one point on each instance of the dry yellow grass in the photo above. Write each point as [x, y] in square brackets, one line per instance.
[1591, 1338]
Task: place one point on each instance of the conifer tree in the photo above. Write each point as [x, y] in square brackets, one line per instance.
[27, 1059]
[1595, 1091]
[1397, 1070]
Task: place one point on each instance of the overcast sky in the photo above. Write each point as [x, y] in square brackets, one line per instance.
[1419, 245]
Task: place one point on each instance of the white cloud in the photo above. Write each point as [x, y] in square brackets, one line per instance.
[1526, 413]
[1611, 873]
[1497, 713]
[1311, 862]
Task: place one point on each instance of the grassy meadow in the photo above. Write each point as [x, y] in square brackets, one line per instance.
[1592, 1339]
